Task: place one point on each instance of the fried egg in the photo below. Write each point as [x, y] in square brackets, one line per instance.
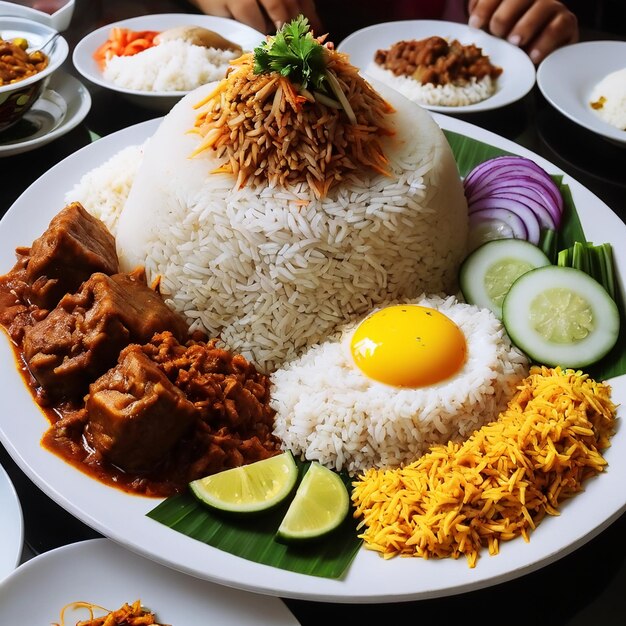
[389, 385]
[408, 346]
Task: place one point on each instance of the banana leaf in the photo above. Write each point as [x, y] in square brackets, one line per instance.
[253, 538]
[468, 153]
[331, 557]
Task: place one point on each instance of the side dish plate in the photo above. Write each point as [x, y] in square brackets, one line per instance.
[122, 517]
[101, 572]
[568, 76]
[163, 101]
[62, 107]
[518, 71]
[11, 526]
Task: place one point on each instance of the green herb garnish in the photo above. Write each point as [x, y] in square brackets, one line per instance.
[294, 53]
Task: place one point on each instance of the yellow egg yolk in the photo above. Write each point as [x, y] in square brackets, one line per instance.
[408, 346]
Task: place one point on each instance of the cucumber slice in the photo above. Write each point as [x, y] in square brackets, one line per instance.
[487, 274]
[561, 316]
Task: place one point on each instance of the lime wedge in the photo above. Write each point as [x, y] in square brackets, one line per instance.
[250, 488]
[320, 505]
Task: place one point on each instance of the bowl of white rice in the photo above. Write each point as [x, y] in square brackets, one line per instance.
[158, 77]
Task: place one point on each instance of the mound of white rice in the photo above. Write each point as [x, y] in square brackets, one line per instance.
[272, 271]
[103, 190]
[328, 411]
[608, 99]
[439, 95]
[174, 65]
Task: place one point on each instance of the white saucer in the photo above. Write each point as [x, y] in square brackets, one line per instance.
[11, 526]
[108, 575]
[63, 106]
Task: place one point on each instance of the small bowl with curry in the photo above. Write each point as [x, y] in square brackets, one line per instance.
[29, 54]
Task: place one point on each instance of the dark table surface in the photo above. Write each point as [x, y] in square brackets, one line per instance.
[582, 588]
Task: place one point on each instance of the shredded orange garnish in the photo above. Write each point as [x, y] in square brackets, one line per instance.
[501, 482]
[127, 615]
[124, 42]
[263, 128]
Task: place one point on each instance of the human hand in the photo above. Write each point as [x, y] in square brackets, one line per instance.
[536, 26]
[263, 15]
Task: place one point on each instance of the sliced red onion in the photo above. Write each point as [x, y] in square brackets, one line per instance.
[514, 195]
[505, 170]
[497, 163]
[504, 159]
[526, 214]
[505, 217]
[522, 185]
[508, 180]
[530, 191]
[522, 174]
[546, 218]
[527, 189]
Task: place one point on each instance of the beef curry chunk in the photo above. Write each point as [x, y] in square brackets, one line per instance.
[135, 414]
[81, 338]
[235, 425]
[437, 61]
[74, 246]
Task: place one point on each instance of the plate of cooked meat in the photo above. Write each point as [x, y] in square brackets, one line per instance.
[444, 66]
[276, 269]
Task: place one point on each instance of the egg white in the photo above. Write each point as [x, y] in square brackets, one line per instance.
[327, 410]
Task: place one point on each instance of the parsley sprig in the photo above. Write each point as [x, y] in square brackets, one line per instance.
[294, 53]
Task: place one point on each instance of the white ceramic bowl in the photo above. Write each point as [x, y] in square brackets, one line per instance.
[161, 101]
[568, 76]
[59, 20]
[17, 98]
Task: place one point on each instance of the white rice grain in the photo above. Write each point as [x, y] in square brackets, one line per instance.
[436, 95]
[608, 99]
[272, 271]
[174, 65]
[328, 411]
[103, 190]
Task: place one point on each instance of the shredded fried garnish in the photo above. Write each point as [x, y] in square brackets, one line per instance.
[264, 128]
[501, 482]
[128, 615]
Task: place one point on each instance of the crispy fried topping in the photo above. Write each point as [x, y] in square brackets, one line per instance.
[264, 128]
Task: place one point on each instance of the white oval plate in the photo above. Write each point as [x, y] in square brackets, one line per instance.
[567, 77]
[163, 101]
[122, 517]
[11, 526]
[60, 109]
[103, 573]
[516, 80]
